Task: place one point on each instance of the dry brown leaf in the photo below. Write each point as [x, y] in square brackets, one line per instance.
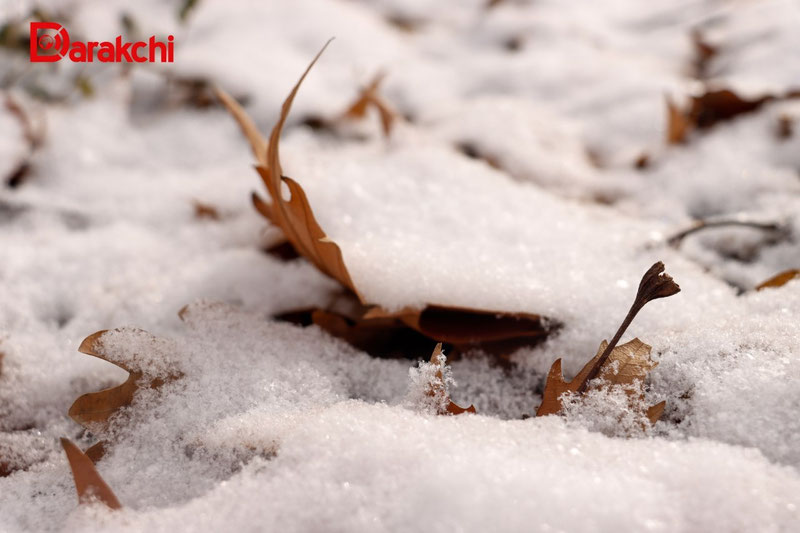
[370, 97]
[386, 334]
[94, 410]
[438, 389]
[615, 365]
[678, 125]
[713, 106]
[779, 280]
[88, 483]
[203, 210]
[464, 327]
[627, 363]
[382, 337]
[296, 219]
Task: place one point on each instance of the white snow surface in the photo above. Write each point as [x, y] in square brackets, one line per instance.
[275, 427]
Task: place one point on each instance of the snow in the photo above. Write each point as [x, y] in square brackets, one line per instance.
[272, 426]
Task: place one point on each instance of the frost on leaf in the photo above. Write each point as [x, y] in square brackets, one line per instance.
[88, 483]
[95, 410]
[458, 326]
[430, 384]
[625, 366]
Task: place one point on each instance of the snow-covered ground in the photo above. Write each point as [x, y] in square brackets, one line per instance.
[275, 427]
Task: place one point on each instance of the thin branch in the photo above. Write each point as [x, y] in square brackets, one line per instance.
[701, 225]
[655, 284]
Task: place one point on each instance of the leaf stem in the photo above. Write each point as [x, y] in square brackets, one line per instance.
[655, 284]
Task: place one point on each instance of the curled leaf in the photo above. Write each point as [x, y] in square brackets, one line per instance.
[94, 410]
[458, 326]
[88, 483]
[370, 97]
[295, 216]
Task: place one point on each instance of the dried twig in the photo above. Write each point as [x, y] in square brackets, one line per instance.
[655, 284]
[700, 225]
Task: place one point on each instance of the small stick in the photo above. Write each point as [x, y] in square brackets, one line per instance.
[676, 239]
[655, 284]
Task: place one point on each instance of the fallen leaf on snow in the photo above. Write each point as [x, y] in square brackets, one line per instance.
[711, 107]
[382, 337]
[627, 363]
[88, 483]
[678, 125]
[614, 365]
[464, 328]
[779, 280]
[94, 410]
[370, 97]
[296, 219]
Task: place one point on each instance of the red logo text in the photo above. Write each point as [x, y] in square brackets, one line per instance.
[50, 42]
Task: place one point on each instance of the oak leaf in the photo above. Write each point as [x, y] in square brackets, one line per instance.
[615, 365]
[295, 216]
[88, 483]
[296, 219]
[627, 364]
[95, 410]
